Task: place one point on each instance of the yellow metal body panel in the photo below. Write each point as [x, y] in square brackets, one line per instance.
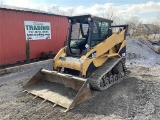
[122, 46]
[100, 57]
[61, 53]
[69, 64]
[100, 60]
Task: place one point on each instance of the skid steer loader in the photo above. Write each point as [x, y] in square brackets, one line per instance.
[93, 58]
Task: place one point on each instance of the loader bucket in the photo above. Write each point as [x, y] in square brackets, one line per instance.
[62, 89]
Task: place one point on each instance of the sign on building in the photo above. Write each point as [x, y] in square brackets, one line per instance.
[37, 30]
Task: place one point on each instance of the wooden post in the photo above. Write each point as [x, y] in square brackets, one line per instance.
[27, 51]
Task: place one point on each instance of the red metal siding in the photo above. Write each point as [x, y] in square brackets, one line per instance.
[12, 35]
[0, 37]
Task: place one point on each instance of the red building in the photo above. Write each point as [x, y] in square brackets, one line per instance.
[13, 34]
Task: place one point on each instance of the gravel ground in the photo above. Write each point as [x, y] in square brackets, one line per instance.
[135, 98]
[141, 55]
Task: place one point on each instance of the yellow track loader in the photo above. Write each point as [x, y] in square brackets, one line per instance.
[93, 58]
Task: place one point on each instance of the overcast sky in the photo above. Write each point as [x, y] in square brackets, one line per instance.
[146, 10]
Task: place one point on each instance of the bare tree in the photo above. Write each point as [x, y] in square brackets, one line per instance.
[60, 12]
[53, 9]
[70, 12]
[2, 2]
[134, 25]
[56, 10]
[156, 27]
[109, 13]
[118, 20]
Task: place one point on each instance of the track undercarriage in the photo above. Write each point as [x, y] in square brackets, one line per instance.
[111, 72]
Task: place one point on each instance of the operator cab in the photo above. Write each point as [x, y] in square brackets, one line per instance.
[85, 32]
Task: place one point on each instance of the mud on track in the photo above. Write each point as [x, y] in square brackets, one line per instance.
[137, 97]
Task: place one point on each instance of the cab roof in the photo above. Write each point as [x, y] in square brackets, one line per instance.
[90, 16]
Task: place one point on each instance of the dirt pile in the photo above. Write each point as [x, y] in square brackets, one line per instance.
[140, 55]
